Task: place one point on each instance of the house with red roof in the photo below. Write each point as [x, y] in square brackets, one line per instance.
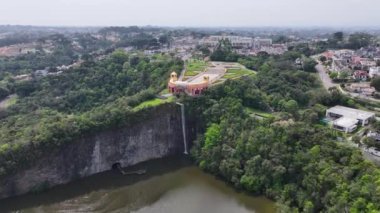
[361, 75]
[328, 54]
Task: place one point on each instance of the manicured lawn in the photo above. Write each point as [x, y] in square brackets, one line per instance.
[235, 73]
[230, 76]
[191, 73]
[241, 71]
[194, 67]
[152, 103]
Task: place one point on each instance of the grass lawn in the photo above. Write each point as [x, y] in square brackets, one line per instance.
[235, 73]
[8, 101]
[152, 103]
[230, 76]
[193, 67]
[191, 73]
[241, 71]
[164, 91]
[219, 81]
[259, 113]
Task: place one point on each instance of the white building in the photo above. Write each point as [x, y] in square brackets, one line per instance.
[346, 119]
[344, 53]
[345, 124]
[374, 71]
[259, 43]
[236, 41]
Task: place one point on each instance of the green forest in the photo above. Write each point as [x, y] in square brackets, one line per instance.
[97, 95]
[290, 156]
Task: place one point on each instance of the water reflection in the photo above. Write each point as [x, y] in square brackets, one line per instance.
[170, 185]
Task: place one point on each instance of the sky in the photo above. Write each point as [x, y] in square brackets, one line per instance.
[192, 13]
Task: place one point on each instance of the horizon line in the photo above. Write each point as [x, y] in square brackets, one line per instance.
[200, 26]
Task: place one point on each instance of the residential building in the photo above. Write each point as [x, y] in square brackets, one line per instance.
[347, 119]
[361, 75]
[275, 49]
[374, 71]
[236, 41]
[344, 53]
[366, 63]
[374, 135]
[258, 43]
[339, 65]
[355, 60]
[345, 124]
[329, 54]
[362, 88]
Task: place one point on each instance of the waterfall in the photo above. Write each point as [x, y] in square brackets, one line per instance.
[183, 126]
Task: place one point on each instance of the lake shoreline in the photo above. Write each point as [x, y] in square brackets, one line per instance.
[177, 170]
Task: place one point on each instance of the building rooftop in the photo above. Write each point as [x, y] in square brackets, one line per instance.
[360, 73]
[351, 113]
[346, 122]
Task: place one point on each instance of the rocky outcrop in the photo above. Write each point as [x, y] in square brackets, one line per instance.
[157, 135]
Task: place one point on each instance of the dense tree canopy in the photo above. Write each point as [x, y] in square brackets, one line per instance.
[55, 109]
[376, 83]
[289, 156]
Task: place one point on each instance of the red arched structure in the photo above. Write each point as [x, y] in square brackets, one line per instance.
[193, 89]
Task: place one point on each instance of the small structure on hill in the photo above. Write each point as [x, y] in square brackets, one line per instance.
[192, 87]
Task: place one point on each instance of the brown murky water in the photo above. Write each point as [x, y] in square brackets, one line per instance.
[170, 185]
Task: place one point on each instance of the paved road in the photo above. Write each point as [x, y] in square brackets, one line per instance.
[325, 78]
[184, 58]
[371, 157]
[327, 83]
[182, 73]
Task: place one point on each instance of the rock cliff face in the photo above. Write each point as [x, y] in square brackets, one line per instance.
[157, 136]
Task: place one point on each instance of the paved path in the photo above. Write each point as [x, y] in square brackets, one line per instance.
[214, 73]
[371, 157]
[182, 73]
[325, 78]
[184, 58]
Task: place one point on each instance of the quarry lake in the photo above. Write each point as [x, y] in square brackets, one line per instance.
[170, 185]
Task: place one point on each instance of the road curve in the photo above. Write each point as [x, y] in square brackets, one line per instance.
[325, 78]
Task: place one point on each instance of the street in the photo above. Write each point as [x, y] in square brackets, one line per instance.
[327, 83]
[325, 78]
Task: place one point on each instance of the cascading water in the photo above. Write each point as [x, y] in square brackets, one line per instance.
[183, 126]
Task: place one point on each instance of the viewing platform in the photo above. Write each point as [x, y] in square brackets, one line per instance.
[215, 72]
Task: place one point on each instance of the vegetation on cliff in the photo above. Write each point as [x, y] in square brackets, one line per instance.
[97, 95]
[289, 157]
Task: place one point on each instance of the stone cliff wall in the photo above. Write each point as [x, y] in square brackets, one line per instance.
[157, 136]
